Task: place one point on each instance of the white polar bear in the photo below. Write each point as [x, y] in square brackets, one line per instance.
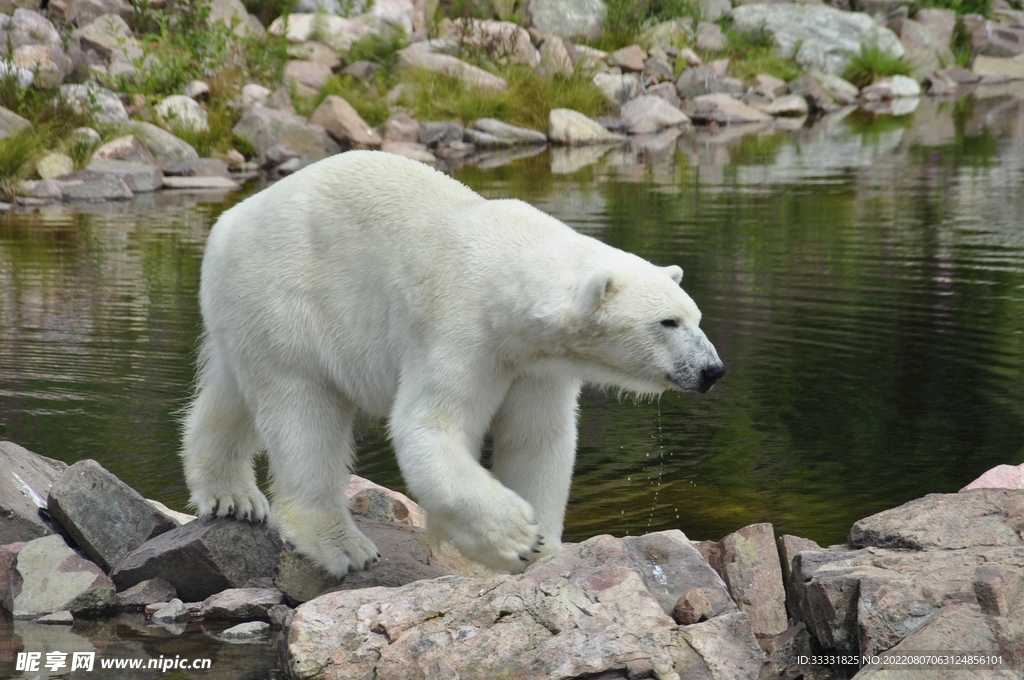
[369, 281]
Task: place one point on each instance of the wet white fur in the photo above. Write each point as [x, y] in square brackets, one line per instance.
[370, 282]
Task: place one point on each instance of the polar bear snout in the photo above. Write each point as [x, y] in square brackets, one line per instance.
[709, 375]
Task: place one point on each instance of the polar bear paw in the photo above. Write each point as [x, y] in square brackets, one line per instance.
[330, 541]
[245, 503]
[501, 533]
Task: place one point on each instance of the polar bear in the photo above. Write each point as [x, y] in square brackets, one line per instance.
[370, 282]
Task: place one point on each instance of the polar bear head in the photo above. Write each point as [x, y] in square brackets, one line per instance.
[638, 330]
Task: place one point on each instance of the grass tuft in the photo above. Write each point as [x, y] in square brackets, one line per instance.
[874, 62]
[18, 155]
[753, 52]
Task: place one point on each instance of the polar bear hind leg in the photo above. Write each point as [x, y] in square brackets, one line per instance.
[307, 429]
[220, 440]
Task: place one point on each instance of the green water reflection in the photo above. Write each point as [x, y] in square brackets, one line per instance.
[863, 280]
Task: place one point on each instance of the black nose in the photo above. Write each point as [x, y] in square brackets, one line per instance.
[709, 375]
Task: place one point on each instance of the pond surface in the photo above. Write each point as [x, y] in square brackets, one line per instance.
[862, 279]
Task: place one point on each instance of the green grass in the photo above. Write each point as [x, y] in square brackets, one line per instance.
[961, 7]
[961, 45]
[527, 101]
[626, 19]
[873, 62]
[753, 52]
[18, 155]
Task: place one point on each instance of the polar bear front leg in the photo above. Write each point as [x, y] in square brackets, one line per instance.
[534, 435]
[437, 435]
[308, 432]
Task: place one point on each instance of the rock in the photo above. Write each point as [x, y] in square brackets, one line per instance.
[344, 124]
[28, 27]
[572, 128]
[894, 87]
[669, 34]
[45, 189]
[49, 64]
[630, 58]
[201, 183]
[140, 178]
[748, 562]
[106, 107]
[47, 576]
[166, 148]
[264, 128]
[126, 148]
[666, 91]
[200, 167]
[789, 105]
[174, 611]
[337, 32]
[413, 150]
[307, 77]
[107, 518]
[242, 604]
[724, 110]
[999, 477]
[818, 99]
[658, 67]
[25, 481]
[183, 113]
[554, 58]
[992, 40]
[569, 18]
[82, 12]
[233, 12]
[61, 618]
[54, 165]
[363, 71]
[87, 186]
[197, 90]
[618, 89]
[443, 63]
[710, 37]
[8, 555]
[816, 36]
[770, 86]
[942, 23]
[982, 517]
[254, 94]
[434, 134]
[502, 40]
[11, 123]
[573, 614]
[697, 80]
[509, 135]
[587, 57]
[145, 593]
[924, 49]
[691, 607]
[789, 546]
[203, 557]
[1012, 68]
[649, 114]
[841, 91]
[280, 615]
[313, 50]
[713, 10]
[110, 36]
[401, 127]
[246, 631]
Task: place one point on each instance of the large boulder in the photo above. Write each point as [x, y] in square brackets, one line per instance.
[569, 18]
[816, 36]
[925, 50]
[601, 607]
[345, 124]
[106, 106]
[106, 518]
[473, 76]
[167, 149]
[264, 128]
[572, 128]
[25, 481]
[47, 576]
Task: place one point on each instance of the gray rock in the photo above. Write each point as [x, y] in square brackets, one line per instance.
[106, 107]
[180, 112]
[925, 50]
[713, 10]
[710, 37]
[509, 134]
[246, 631]
[748, 562]
[44, 189]
[569, 18]
[555, 58]
[200, 167]
[618, 89]
[942, 23]
[126, 148]
[443, 63]
[363, 71]
[49, 64]
[440, 133]
[572, 128]
[87, 186]
[242, 604]
[202, 557]
[894, 87]
[982, 517]
[816, 36]
[401, 127]
[28, 27]
[61, 618]
[82, 12]
[54, 164]
[697, 80]
[413, 150]
[992, 39]
[110, 36]
[1012, 68]
[106, 518]
[47, 576]
[280, 615]
[201, 183]
[578, 613]
[140, 178]
[174, 611]
[789, 546]
[166, 148]
[724, 110]
[25, 481]
[788, 105]
[11, 123]
[308, 77]
[148, 592]
[344, 124]
[668, 34]
[263, 128]
[8, 555]
[666, 91]
[629, 58]
[649, 114]
[818, 99]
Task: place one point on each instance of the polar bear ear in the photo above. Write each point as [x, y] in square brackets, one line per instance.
[675, 272]
[594, 290]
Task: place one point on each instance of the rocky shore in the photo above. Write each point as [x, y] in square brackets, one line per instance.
[943, 574]
[657, 91]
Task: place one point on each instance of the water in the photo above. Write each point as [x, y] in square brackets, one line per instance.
[863, 280]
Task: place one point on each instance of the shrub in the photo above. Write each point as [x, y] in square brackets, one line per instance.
[873, 62]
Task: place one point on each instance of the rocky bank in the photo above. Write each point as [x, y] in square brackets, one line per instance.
[657, 88]
[941, 574]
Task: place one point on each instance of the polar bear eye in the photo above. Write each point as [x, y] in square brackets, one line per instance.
[670, 323]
